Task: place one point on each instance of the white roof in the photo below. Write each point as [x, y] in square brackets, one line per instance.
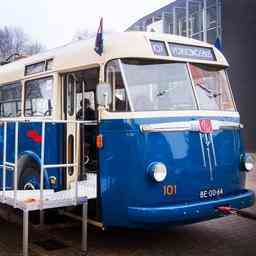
[119, 45]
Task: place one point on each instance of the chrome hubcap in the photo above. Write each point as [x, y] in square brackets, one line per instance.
[29, 186]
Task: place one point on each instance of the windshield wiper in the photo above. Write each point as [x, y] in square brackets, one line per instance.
[161, 93]
[211, 94]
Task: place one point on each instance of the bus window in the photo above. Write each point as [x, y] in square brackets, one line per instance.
[113, 76]
[38, 97]
[85, 106]
[84, 94]
[70, 153]
[212, 88]
[10, 100]
[71, 83]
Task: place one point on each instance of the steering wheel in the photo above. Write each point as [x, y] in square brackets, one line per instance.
[47, 112]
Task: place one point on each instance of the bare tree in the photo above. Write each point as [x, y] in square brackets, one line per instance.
[14, 41]
[83, 34]
[34, 47]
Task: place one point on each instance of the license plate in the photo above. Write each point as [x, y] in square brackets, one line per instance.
[211, 193]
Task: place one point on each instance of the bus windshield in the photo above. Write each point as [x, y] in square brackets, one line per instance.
[158, 85]
[212, 88]
[165, 86]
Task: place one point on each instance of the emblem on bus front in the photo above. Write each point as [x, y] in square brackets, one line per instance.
[205, 126]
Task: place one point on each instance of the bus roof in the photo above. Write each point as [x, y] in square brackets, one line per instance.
[81, 54]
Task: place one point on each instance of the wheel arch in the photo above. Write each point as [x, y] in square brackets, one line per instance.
[27, 157]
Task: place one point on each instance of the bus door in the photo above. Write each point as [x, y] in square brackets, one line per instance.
[80, 105]
[71, 135]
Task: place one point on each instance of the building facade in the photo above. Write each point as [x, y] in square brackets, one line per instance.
[199, 19]
[231, 24]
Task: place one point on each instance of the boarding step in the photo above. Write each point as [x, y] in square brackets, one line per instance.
[30, 199]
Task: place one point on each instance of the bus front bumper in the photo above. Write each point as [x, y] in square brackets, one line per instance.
[190, 212]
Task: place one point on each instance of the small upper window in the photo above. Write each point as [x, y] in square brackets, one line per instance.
[10, 100]
[49, 65]
[38, 97]
[39, 67]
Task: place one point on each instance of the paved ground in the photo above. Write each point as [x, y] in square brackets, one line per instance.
[227, 236]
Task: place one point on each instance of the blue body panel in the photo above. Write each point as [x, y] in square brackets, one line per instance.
[125, 186]
[128, 196]
[28, 146]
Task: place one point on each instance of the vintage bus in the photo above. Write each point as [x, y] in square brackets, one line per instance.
[162, 134]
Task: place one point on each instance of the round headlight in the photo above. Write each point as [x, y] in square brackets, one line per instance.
[248, 162]
[158, 171]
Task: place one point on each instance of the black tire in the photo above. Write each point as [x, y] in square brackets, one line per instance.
[29, 169]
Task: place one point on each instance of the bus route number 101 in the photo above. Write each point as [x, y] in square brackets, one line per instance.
[169, 190]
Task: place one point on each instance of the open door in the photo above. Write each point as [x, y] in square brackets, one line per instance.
[79, 104]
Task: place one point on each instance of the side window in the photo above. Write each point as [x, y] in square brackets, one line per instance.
[38, 97]
[87, 96]
[86, 107]
[71, 82]
[10, 100]
[114, 77]
[39, 67]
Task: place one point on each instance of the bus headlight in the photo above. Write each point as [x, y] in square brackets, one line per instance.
[248, 162]
[157, 171]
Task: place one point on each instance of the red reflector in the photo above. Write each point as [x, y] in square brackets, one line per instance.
[33, 135]
[205, 126]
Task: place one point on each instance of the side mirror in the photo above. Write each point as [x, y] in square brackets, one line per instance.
[104, 94]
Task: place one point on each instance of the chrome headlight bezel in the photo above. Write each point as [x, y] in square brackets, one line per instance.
[157, 171]
[248, 162]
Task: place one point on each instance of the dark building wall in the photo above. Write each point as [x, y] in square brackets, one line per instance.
[239, 43]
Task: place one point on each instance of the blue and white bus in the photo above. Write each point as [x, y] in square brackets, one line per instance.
[162, 134]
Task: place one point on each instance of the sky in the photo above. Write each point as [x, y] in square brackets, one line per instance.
[54, 22]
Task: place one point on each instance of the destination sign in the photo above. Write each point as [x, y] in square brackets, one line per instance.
[159, 48]
[192, 52]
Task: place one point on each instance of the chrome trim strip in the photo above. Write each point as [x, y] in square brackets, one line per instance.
[202, 148]
[105, 115]
[213, 150]
[209, 156]
[172, 127]
[187, 126]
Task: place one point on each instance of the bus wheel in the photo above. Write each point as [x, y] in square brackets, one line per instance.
[29, 178]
